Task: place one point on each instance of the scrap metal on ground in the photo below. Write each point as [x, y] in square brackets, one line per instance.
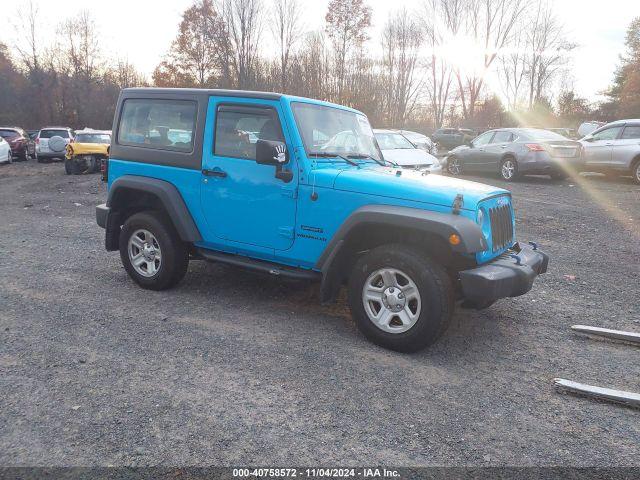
[608, 394]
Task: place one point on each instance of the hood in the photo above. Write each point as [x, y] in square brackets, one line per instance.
[414, 186]
[460, 148]
[409, 157]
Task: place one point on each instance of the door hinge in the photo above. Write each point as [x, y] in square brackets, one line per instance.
[286, 232]
[289, 192]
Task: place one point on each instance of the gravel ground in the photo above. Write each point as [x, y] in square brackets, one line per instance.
[230, 369]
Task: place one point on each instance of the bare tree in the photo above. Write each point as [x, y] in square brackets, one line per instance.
[29, 49]
[287, 28]
[547, 49]
[401, 41]
[347, 21]
[490, 23]
[512, 71]
[441, 19]
[243, 21]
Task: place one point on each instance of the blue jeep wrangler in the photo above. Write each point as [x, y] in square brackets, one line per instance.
[298, 188]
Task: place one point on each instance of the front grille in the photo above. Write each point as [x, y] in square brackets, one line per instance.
[501, 227]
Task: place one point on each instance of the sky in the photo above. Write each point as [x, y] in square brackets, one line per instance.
[141, 30]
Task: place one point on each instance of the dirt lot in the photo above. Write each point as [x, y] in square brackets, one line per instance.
[233, 369]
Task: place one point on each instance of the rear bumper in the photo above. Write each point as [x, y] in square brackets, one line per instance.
[102, 214]
[50, 154]
[503, 277]
[542, 163]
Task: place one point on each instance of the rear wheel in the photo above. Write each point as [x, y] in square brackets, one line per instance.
[635, 172]
[68, 166]
[10, 157]
[454, 166]
[509, 169]
[151, 251]
[399, 298]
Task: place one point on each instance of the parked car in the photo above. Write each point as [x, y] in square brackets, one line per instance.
[5, 151]
[512, 152]
[406, 244]
[421, 141]
[32, 145]
[614, 149]
[449, 138]
[51, 143]
[586, 128]
[397, 149]
[569, 133]
[21, 145]
[87, 152]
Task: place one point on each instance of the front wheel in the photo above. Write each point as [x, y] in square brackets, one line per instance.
[454, 166]
[509, 169]
[399, 298]
[151, 251]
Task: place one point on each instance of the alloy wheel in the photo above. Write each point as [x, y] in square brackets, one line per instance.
[453, 166]
[144, 253]
[391, 300]
[508, 169]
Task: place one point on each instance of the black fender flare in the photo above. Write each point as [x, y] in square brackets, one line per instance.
[168, 195]
[440, 224]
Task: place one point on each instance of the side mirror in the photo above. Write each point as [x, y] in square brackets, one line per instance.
[270, 152]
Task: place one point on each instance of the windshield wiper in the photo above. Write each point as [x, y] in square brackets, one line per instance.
[332, 155]
[379, 162]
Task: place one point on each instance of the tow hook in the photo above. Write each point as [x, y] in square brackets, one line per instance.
[517, 258]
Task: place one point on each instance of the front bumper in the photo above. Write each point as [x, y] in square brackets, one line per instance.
[504, 277]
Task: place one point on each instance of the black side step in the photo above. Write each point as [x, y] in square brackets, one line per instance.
[259, 265]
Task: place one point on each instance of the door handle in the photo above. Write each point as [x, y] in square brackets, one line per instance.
[216, 172]
[503, 146]
[608, 144]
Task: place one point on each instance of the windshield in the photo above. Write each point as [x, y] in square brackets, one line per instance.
[93, 138]
[393, 141]
[328, 131]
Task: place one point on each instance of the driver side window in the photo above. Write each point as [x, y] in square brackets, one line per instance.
[483, 139]
[238, 128]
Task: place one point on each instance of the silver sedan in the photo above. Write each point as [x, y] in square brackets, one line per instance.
[512, 152]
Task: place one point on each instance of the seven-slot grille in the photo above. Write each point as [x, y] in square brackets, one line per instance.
[501, 227]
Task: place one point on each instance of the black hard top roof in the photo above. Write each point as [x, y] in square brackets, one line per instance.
[205, 91]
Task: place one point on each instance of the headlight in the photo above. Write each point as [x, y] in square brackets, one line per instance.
[480, 217]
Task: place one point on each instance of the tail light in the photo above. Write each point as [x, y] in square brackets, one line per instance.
[534, 147]
[37, 140]
[104, 169]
